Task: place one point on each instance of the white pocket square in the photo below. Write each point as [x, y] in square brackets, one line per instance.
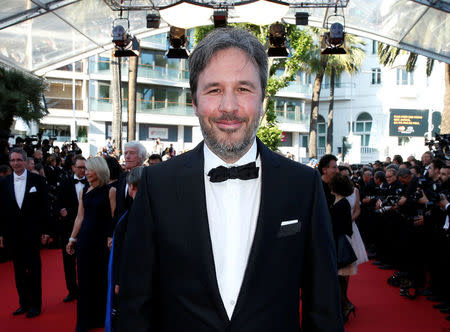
[32, 190]
[289, 222]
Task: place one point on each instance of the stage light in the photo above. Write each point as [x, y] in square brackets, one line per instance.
[220, 18]
[333, 42]
[120, 36]
[178, 42]
[277, 41]
[301, 18]
[124, 43]
[153, 20]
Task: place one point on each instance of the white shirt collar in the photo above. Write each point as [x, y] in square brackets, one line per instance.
[212, 160]
[24, 174]
[77, 178]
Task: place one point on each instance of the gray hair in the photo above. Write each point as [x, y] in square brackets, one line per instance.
[392, 170]
[99, 166]
[17, 150]
[134, 176]
[135, 144]
[392, 166]
[221, 39]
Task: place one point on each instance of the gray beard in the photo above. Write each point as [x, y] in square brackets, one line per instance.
[230, 151]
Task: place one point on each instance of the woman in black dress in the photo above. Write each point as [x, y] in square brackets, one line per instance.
[341, 219]
[90, 243]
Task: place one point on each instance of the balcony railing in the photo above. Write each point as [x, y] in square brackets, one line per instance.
[292, 116]
[145, 106]
[144, 71]
[64, 103]
[298, 88]
[368, 150]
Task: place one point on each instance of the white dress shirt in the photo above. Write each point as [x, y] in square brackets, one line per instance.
[79, 186]
[20, 182]
[232, 208]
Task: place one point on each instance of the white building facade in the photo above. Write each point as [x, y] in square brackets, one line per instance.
[79, 106]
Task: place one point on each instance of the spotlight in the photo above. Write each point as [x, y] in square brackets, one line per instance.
[153, 20]
[120, 36]
[220, 18]
[178, 41]
[301, 18]
[333, 42]
[277, 41]
[125, 44]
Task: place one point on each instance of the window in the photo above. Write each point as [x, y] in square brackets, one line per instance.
[363, 128]
[305, 142]
[374, 47]
[404, 77]
[376, 76]
[321, 132]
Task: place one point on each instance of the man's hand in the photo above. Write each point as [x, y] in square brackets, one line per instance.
[402, 201]
[116, 289]
[378, 204]
[423, 199]
[63, 212]
[443, 202]
[366, 200]
[44, 239]
[2, 245]
[418, 221]
[110, 242]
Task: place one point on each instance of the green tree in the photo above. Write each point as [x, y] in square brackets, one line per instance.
[387, 55]
[321, 64]
[337, 64]
[300, 41]
[20, 96]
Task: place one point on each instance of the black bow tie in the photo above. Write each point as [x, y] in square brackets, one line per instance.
[244, 172]
[83, 181]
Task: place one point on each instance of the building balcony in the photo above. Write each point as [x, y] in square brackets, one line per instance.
[64, 103]
[145, 71]
[147, 107]
[285, 116]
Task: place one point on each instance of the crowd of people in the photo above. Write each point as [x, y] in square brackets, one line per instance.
[403, 215]
[62, 200]
[251, 232]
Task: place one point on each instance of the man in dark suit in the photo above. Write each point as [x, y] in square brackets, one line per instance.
[24, 214]
[240, 232]
[135, 154]
[67, 207]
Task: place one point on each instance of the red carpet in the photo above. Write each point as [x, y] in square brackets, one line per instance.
[379, 306]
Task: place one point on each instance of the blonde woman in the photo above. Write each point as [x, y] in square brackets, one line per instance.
[90, 243]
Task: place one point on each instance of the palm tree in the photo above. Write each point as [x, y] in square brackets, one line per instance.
[337, 64]
[20, 96]
[387, 55]
[331, 64]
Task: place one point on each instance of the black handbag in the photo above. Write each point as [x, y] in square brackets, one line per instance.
[345, 253]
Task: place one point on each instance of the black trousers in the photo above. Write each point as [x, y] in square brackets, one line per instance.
[70, 268]
[27, 272]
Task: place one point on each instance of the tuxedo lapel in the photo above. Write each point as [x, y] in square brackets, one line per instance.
[12, 190]
[267, 224]
[191, 195]
[28, 186]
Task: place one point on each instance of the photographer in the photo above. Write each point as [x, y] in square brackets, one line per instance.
[388, 218]
[411, 206]
[441, 267]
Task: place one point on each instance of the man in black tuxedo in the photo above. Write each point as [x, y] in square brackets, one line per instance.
[240, 232]
[67, 207]
[135, 154]
[24, 214]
